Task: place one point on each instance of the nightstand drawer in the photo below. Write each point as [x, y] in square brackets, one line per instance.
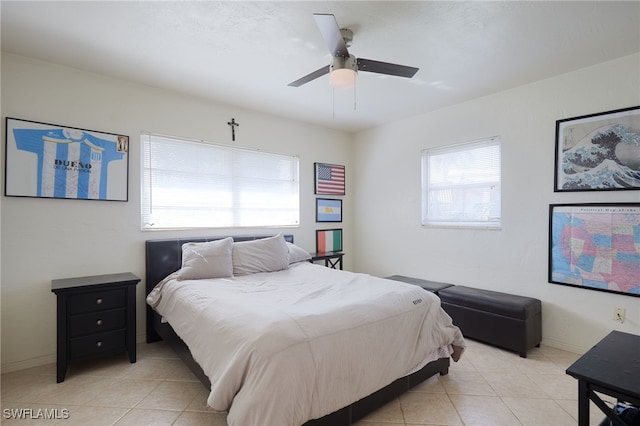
[97, 343]
[96, 301]
[97, 322]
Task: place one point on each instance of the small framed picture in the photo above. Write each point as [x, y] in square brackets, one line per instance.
[329, 179]
[598, 152]
[328, 240]
[328, 210]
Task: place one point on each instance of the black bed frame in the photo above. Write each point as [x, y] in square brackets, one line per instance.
[165, 256]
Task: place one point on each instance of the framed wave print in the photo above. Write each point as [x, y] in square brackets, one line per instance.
[598, 152]
[53, 161]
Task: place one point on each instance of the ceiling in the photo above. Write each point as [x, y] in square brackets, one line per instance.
[245, 53]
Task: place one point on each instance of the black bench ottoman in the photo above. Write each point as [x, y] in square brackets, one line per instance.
[505, 320]
[432, 286]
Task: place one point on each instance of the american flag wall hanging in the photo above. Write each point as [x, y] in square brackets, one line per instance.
[329, 179]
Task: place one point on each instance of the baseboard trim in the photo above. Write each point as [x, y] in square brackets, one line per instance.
[10, 367]
[559, 344]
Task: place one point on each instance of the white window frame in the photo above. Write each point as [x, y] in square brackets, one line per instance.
[187, 184]
[469, 193]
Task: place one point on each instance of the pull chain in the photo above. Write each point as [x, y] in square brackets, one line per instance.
[354, 94]
[333, 101]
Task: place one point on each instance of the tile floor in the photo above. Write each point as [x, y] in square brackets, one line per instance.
[487, 387]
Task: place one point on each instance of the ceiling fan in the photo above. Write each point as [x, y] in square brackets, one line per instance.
[344, 66]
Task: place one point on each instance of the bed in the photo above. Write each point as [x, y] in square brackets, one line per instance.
[291, 344]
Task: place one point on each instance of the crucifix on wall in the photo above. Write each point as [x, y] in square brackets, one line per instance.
[233, 125]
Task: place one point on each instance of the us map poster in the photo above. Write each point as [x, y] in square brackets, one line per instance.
[596, 246]
[52, 161]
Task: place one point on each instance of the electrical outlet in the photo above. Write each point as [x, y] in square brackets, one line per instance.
[618, 314]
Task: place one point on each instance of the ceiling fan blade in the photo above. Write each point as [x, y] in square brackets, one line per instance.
[309, 77]
[386, 68]
[330, 31]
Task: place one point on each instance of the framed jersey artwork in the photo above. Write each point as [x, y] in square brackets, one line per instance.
[53, 161]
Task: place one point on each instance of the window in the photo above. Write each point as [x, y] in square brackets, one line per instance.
[461, 185]
[195, 184]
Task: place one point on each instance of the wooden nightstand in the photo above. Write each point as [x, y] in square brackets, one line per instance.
[96, 317]
[332, 259]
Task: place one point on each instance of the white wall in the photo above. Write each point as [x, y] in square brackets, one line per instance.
[45, 239]
[389, 238]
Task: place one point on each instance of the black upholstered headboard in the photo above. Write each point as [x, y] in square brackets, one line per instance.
[165, 256]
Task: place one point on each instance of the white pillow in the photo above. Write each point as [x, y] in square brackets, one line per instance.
[297, 253]
[264, 255]
[207, 260]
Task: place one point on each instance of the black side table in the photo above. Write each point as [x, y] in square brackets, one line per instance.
[332, 259]
[611, 367]
[96, 317]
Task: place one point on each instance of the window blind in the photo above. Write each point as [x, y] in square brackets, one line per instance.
[461, 185]
[196, 184]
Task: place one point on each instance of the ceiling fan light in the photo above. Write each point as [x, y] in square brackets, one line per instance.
[343, 78]
[343, 72]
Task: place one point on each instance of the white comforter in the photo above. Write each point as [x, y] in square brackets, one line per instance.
[281, 348]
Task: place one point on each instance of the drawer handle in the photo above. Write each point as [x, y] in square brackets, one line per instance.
[99, 343]
[99, 301]
[99, 322]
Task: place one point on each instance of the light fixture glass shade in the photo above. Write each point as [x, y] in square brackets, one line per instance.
[343, 78]
[343, 72]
